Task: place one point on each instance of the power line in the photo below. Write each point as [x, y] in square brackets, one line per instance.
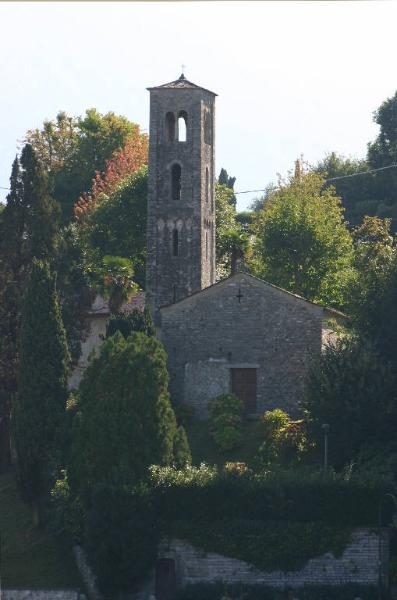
[335, 178]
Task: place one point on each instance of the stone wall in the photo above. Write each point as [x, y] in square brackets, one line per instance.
[41, 595]
[209, 333]
[358, 564]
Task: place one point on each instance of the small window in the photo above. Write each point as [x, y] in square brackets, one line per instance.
[207, 128]
[182, 126]
[175, 243]
[206, 245]
[207, 184]
[176, 176]
[170, 126]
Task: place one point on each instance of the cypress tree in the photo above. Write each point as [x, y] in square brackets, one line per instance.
[42, 377]
[28, 229]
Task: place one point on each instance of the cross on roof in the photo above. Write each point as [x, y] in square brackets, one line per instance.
[239, 295]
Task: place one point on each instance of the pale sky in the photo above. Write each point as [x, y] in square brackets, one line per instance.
[292, 77]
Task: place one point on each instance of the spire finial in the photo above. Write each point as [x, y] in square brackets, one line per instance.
[183, 74]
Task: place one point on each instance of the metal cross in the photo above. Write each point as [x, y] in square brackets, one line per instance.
[239, 295]
[183, 69]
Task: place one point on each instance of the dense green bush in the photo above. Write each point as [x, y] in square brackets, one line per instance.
[121, 536]
[222, 591]
[353, 390]
[128, 322]
[124, 421]
[225, 417]
[285, 440]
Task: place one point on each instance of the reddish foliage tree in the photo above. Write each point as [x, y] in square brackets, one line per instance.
[123, 163]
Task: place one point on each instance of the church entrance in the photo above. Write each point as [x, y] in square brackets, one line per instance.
[244, 386]
[165, 579]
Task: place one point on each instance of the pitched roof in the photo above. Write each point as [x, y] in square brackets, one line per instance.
[331, 311]
[180, 84]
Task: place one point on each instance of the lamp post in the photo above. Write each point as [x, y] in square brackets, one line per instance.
[325, 428]
[380, 587]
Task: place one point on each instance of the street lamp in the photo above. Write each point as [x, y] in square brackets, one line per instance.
[380, 587]
[325, 428]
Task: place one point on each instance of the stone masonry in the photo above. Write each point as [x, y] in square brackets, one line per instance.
[241, 322]
[181, 211]
[358, 564]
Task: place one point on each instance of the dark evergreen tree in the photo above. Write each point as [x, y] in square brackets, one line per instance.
[224, 179]
[28, 229]
[42, 377]
[128, 322]
[125, 421]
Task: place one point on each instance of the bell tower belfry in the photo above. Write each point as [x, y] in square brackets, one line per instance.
[181, 202]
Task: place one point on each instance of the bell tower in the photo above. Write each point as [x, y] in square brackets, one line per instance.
[181, 202]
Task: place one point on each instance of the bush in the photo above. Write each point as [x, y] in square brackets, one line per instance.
[125, 421]
[128, 322]
[225, 417]
[285, 440]
[182, 454]
[121, 536]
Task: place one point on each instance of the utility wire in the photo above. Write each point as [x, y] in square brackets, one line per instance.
[335, 178]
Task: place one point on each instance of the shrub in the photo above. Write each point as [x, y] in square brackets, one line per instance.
[225, 417]
[182, 454]
[125, 421]
[121, 536]
[128, 322]
[285, 440]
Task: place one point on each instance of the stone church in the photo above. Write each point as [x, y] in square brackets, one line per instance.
[239, 335]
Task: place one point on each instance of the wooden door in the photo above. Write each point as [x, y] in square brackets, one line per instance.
[165, 579]
[244, 386]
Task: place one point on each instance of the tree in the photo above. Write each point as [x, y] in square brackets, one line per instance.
[73, 149]
[42, 377]
[231, 241]
[28, 229]
[303, 244]
[128, 322]
[117, 227]
[125, 421]
[353, 389]
[229, 182]
[373, 260]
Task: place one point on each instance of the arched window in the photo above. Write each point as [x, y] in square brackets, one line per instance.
[182, 126]
[207, 184]
[207, 128]
[175, 243]
[176, 176]
[170, 126]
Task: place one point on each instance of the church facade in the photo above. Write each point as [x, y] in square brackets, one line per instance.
[239, 335]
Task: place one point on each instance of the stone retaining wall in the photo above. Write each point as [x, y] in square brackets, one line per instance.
[358, 564]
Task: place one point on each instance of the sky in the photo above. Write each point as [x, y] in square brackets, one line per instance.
[293, 78]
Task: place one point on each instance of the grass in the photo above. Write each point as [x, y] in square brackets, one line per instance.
[204, 449]
[30, 557]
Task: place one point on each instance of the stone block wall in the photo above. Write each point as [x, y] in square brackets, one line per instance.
[241, 322]
[358, 564]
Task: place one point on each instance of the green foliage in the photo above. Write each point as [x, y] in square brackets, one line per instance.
[182, 454]
[267, 545]
[223, 591]
[128, 322]
[225, 417]
[118, 283]
[118, 225]
[303, 244]
[66, 514]
[42, 376]
[373, 259]
[73, 149]
[124, 421]
[226, 227]
[225, 179]
[285, 440]
[353, 390]
[122, 536]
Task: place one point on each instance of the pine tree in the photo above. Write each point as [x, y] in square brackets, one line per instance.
[42, 377]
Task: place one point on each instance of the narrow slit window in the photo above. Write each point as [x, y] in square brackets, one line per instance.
[176, 176]
[182, 126]
[207, 184]
[206, 245]
[207, 128]
[170, 126]
[175, 243]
